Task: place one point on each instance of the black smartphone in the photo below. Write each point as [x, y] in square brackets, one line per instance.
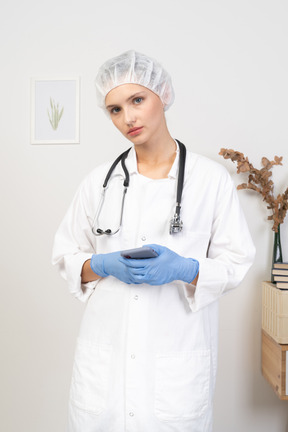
[139, 253]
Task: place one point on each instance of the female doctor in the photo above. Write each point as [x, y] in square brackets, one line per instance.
[146, 355]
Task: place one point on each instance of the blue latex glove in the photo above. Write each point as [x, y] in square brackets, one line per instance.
[165, 268]
[110, 265]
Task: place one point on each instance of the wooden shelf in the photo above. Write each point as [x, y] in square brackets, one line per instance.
[274, 365]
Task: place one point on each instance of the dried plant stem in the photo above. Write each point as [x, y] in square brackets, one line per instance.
[259, 180]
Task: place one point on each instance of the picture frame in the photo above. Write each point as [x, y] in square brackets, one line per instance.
[55, 110]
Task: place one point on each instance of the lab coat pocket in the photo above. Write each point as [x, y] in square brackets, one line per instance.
[182, 385]
[90, 379]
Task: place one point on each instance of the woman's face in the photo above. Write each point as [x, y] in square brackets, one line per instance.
[136, 111]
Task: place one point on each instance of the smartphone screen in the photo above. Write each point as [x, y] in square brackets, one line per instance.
[139, 253]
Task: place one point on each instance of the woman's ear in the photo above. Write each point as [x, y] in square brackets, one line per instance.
[167, 96]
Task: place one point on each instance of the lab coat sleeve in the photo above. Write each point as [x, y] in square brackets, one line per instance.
[73, 245]
[231, 250]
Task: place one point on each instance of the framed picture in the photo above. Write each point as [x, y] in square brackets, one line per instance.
[55, 111]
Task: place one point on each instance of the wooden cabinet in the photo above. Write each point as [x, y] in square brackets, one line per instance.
[275, 312]
[275, 365]
[275, 338]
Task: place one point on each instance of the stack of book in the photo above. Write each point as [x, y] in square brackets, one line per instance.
[280, 275]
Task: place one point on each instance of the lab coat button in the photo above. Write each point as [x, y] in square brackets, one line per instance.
[131, 414]
[133, 356]
[136, 297]
[143, 238]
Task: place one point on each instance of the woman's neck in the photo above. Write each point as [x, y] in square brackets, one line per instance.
[155, 159]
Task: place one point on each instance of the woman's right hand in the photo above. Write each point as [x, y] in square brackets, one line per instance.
[110, 265]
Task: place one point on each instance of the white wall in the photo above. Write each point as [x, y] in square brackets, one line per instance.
[228, 60]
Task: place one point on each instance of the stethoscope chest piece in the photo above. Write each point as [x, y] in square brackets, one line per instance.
[176, 225]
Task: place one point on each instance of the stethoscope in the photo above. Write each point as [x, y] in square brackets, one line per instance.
[176, 223]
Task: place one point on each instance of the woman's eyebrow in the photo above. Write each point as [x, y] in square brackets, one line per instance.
[135, 95]
[127, 100]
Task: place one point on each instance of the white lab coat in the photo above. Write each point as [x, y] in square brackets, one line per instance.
[146, 356]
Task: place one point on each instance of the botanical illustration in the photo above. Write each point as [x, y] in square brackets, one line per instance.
[55, 114]
[261, 182]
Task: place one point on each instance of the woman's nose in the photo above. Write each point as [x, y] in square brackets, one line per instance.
[129, 116]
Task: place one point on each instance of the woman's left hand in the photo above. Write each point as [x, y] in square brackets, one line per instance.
[166, 267]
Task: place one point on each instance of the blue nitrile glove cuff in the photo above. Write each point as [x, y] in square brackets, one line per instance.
[110, 264]
[191, 270]
[97, 265]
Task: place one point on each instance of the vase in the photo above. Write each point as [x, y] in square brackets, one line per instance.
[277, 251]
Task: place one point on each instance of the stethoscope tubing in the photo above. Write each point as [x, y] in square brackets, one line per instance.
[175, 223]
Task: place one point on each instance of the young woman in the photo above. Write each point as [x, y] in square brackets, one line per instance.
[146, 355]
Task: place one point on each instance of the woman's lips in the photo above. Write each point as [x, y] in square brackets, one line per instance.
[135, 131]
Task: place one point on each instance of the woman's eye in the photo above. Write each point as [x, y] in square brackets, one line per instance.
[115, 110]
[138, 100]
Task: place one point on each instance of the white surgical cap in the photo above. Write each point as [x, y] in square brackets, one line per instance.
[132, 67]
